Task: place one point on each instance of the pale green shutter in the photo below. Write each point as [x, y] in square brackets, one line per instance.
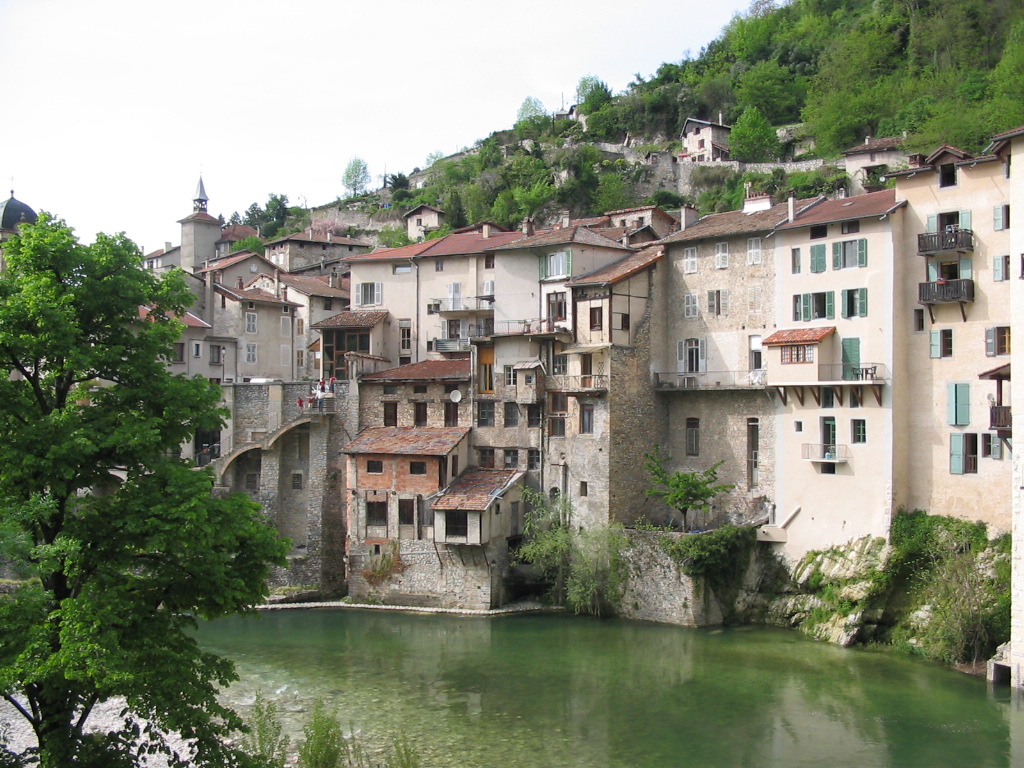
[990, 342]
[818, 257]
[999, 268]
[995, 446]
[966, 269]
[862, 302]
[851, 358]
[956, 453]
[862, 252]
[837, 255]
[543, 265]
[997, 218]
[830, 305]
[935, 340]
[933, 271]
[965, 219]
[805, 306]
[951, 404]
[963, 404]
[844, 302]
[568, 262]
[933, 223]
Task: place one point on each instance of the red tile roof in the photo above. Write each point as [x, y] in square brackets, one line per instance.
[314, 286]
[738, 222]
[652, 208]
[799, 336]
[425, 370]
[848, 208]
[253, 294]
[234, 232]
[594, 221]
[572, 234]
[188, 318]
[391, 254]
[621, 269]
[234, 258]
[468, 243]
[414, 441]
[317, 237]
[352, 320]
[200, 216]
[876, 145]
[475, 489]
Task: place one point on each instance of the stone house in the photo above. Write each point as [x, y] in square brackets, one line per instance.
[263, 327]
[704, 141]
[661, 223]
[348, 334]
[422, 220]
[312, 252]
[867, 163]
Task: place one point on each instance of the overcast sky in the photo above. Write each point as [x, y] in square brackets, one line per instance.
[112, 108]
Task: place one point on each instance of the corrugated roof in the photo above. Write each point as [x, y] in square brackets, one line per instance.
[415, 441]
[738, 222]
[847, 208]
[475, 489]
[799, 336]
[425, 370]
[621, 269]
[352, 320]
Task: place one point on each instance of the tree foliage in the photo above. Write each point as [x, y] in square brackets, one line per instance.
[250, 243]
[356, 176]
[120, 545]
[271, 220]
[753, 139]
[683, 491]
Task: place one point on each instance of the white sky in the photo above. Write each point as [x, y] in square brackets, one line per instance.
[112, 108]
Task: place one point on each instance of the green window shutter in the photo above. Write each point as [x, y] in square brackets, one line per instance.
[935, 340]
[951, 404]
[995, 447]
[966, 269]
[933, 223]
[862, 252]
[956, 454]
[933, 271]
[837, 255]
[999, 268]
[997, 218]
[830, 305]
[568, 262]
[862, 302]
[818, 257]
[844, 302]
[965, 219]
[543, 266]
[963, 404]
[990, 342]
[805, 306]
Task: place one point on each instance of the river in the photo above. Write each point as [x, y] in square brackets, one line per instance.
[537, 690]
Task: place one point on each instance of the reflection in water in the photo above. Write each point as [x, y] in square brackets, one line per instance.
[554, 690]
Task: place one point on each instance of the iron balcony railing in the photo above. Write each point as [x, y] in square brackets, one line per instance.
[467, 304]
[872, 372]
[943, 291]
[999, 417]
[949, 240]
[711, 379]
[828, 452]
[567, 383]
[451, 345]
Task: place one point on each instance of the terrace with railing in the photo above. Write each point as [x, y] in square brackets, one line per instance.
[591, 382]
[711, 379]
[828, 453]
[461, 304]
[944, 291]
[952, 239]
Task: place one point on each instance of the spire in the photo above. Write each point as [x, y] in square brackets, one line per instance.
[200, 200]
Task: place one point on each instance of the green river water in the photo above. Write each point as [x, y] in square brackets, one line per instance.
[535, 690]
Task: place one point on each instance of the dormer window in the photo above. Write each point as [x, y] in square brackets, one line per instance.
[947, 175]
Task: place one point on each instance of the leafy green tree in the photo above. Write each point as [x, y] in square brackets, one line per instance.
[266, 740]
[613, 193]
[396, 180]
[250, 243]
[531, 107]
[393, 237]
[356, 176]
[1007, 108]
[324, 746]
[533, 199]
[773, 90]
[122, 546]
[592, 94]
[683, 491]
[752, 139]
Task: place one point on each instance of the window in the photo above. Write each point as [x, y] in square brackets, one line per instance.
[406, 511]
[456, 523]
[941, 343]
[557, 264]
[958, 404]
[819, 231]
[556, 306]
[511, 458]
[797, 353]
[558, 406]
[377, 513]
[390, 414]
[814, 306]
[533, 458]
[486, 457]
[510, 376]
[753, 250]
[419, 414]
[847, 254]
[417, 467]
[297, 481]
[511, 414]
[818, 262]
[1001, 217]
[587, 419]
[794, 261]
[197, 349]
[485, 370]
[798, 426]
[918, 319]
[991, 447]
[374, 467]
[754, 300]
[439, 265]
[963, 453]
[584, 489]
[405, 335]
[596, 318]
[401, 269]
[252, 481]
[300, 326]
[533, 415]
[689, 261]
[854, 302]
[328, 304]
[178, 352]
[369, 294]
[250, 322]
[484, 413]
[997, 341]
[390, 389]
[559, 365]
[718, 303]
[858, 431]
[850, 227]
[691, 354]
[215, 354]
[419, 389]
[693, 437]
[721, 255]
[286, 355]
[689, 305]
[1001, 268]
[250, 353]
[828, 397]
[451, 414]
[488, 261]
[947, 175]
[620, 321]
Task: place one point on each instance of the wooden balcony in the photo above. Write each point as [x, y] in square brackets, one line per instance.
[711, 380]
[824, 453]
[945, 291]
[952, 240]
[999, 418]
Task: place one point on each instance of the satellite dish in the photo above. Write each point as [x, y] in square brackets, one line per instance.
[455, 396]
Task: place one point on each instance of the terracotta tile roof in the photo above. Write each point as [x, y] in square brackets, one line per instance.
[468, 243]
[737, 222]
[253, 294]
[847, 208]
[234, 232]
[200, 216]
[475, 489]
[581, 235]
[390, 254]
[799, 336]
[946, 149]
[352, 320]
[594, 221]
[317, 237]
[421, 207]
[234, 258]
[1009, 134]
[652, 208]
[999, 372]
[876, 145]
[621, 269]
[314, 286]
[425, 370]
[188, 318]
[415, 441]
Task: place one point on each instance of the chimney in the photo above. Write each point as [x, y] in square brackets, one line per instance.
[867, 139]
[277, 283]
[284, 292]
[486, 230]
[791, 206]
[720, 119]
[688, 216]
[330, 235]
[528, 226]
[565, 219]
[167, 246]
[238, 283]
